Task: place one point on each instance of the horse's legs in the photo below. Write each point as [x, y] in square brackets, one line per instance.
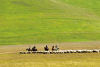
[35, 49]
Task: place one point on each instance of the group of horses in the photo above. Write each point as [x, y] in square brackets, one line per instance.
[33, 49]
[45, 48]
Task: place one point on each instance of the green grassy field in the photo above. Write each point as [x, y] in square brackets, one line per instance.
[48, 21]
[66, 23]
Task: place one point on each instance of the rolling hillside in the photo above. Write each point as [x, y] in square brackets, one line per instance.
[49, 21]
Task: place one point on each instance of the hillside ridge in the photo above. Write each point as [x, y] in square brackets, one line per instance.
[48, 21]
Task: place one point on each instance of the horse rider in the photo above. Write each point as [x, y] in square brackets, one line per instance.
[53, 48]
[56, 48]
[46, 48]
[34, 48]
[29, 48]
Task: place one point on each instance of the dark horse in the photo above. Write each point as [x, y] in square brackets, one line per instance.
[33, 49]
[46, 48]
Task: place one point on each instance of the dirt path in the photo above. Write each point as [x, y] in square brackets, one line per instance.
[40, 47]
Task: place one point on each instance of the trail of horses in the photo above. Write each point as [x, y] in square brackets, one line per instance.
[10, 49]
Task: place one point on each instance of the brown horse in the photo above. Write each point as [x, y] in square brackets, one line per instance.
[54, 49]
[29, 49]
[34, 49]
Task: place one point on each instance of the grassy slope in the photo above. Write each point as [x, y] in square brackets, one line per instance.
[44, 21]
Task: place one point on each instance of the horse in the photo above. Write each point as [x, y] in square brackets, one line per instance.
[54, 49]
[28, 49]
[46, 49]
[34, 49]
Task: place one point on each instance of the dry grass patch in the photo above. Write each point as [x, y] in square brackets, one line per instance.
[14, 59]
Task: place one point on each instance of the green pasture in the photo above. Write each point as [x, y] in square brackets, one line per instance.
[45, 21]
[90, 5]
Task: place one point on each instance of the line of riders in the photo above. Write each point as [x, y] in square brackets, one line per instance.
[45, 48]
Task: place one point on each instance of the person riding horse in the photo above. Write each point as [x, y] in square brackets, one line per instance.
[53, 48]
[46, 48]
[34, 49]
[29, 49]
[56, 48]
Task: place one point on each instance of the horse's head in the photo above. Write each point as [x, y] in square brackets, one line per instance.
[44, 47]
[27, 49]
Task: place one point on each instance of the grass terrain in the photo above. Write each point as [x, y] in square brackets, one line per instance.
[14, 59]
[48, 21]
[41, 60]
